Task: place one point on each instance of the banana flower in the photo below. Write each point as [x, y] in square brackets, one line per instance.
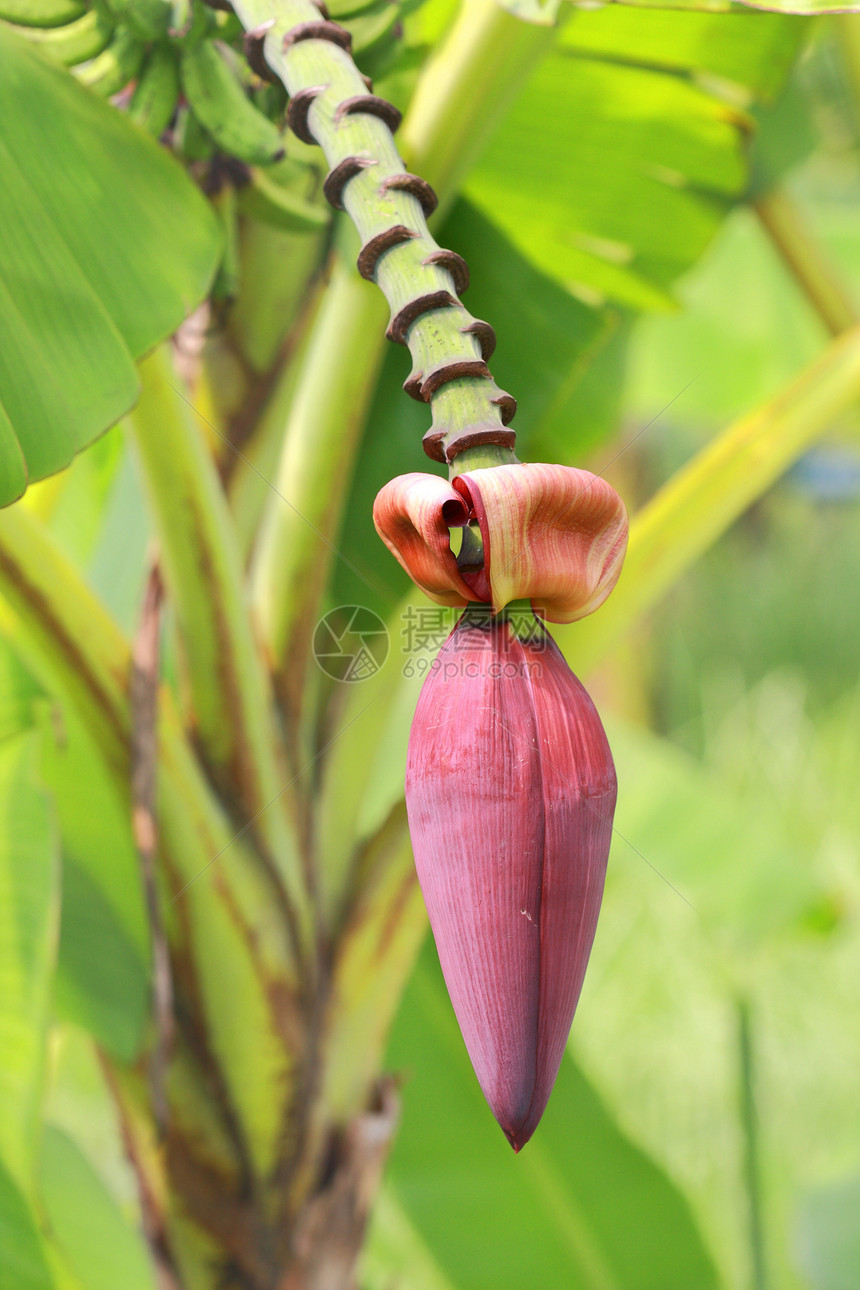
[510, 784]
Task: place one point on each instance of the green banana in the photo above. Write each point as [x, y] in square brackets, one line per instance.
[115, 66]
[192, 23]
[77, 41]
[218, 101]
[225, 288]
[180, 17]
[41, 13]
[154, 100]
[148, 19]
[263, 198]
[190, 140]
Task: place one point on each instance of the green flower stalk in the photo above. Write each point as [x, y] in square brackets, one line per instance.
[333, 105]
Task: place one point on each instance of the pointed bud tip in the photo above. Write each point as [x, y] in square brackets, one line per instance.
[521, 1133]
[512, 1139]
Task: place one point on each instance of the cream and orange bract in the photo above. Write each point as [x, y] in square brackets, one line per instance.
[553, 535]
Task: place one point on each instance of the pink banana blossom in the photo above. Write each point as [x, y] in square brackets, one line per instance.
[510, 784]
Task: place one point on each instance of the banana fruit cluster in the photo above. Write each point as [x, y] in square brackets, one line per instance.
[178, 69]
[168, 63]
